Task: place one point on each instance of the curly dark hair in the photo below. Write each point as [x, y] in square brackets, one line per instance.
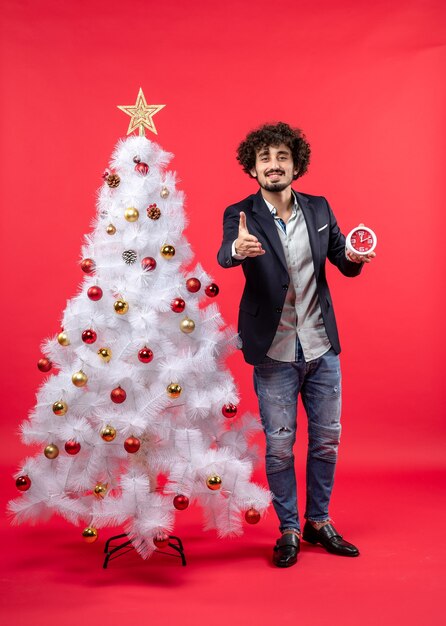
[274, 135]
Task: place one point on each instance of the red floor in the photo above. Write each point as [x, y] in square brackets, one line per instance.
[50, 576]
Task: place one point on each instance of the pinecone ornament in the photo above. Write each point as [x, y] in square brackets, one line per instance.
[129, 257]
[153, 212]
[113, 180]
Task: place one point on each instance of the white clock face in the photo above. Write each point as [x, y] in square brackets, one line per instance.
[361, 240]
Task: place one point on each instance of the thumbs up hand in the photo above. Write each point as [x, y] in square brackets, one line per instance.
[246, 244]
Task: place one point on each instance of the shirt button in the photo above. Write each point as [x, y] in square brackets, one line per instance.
[284, 287]
[278, 310]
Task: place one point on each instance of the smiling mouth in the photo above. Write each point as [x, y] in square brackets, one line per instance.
[274, 174]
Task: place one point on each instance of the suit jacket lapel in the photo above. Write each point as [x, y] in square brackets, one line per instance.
[263, 217]
[310, 219]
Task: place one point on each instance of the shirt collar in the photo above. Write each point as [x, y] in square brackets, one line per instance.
[273, 209]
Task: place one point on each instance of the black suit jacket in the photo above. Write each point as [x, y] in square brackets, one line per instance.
[267, 277]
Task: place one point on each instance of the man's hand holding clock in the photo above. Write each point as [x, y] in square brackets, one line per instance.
[360, 244]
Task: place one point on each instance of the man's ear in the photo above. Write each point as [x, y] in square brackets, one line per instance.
[253, 172]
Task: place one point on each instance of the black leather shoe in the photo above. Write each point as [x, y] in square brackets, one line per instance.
[330, 539]
[286, 550]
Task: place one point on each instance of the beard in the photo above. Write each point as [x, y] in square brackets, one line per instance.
[279, 186]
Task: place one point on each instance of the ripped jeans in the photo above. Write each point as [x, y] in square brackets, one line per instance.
[277, 385]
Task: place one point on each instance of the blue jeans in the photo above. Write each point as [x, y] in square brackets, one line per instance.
[277, 386]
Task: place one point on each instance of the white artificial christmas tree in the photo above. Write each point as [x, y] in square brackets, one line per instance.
[141, 390]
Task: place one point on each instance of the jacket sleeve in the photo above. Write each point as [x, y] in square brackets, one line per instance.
[336, 249]
[231, 220]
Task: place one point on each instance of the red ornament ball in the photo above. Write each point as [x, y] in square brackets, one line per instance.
[145, 355]
[148, 264]
[94, 293]
[132, 444]
[252, 516]
[162, 541]
[181, 502]
[72, 447]
[44, 365]
[118, 395]
[23, 483]
[212, 290]
[229, 410]
[142, 168]
[89, 336]
[193, 285]
[87, 266]
[178, 305]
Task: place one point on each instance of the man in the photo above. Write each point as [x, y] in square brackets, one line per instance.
[282, 239]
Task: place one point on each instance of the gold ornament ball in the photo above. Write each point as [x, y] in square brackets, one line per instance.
[164, 193]
[79, 379]
[51, 451]
[60, 407]
[90, 534]
[111, 229]
[174, 390]
[105, 354]
[168, 251]
[121, 307]
[62, 338]
[214, 482]
[108, 433]
[187, 325]
[100, 490]
[131, 214]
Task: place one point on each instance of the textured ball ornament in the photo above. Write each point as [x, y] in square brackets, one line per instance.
[252, 516]
[108, 433]
[72, 447]
[95, 293]
[89, 336]
[193, 285]
[168, 251]
[145, 355]
[132, 444]
[129, 257]
[87, 266]
[105, 354]
[142, 168]
[100, 490]
[90, 534]
[174, 390]
[44, 365]
[178, 305]
[113, 180]
[60, 407]
[111, 229]
[121, 307]
[229, 410]
[212, 290]
[23, 483]
[51, 451]
[181, 502]
[118, 395]
[79, 379]
[187, 326]
[214, 482]
[164, 193]
[131, 214]
[161, 541]
[153, 212]
[62, 338]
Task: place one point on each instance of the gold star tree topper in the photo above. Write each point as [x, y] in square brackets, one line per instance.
[141, 114]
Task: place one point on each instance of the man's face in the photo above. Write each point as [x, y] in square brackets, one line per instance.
[274, 168]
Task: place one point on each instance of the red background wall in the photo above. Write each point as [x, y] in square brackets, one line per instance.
[365, 82]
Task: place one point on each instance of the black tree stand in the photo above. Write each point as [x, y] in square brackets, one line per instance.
[112, 550]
